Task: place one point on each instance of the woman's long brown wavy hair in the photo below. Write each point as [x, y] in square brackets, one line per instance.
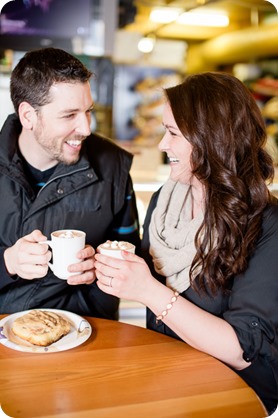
[217, 114]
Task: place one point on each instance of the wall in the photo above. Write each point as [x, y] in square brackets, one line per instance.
[6, 105]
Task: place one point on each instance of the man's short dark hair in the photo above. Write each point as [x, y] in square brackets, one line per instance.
[39, 69]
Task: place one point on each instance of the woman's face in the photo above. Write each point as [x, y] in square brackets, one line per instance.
[177, 148]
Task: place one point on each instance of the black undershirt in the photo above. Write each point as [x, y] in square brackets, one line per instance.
[37, 178]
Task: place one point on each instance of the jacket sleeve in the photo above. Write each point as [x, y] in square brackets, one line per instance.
[5, 278]
[253, 309]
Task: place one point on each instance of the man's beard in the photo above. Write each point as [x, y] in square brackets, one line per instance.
[54, 149]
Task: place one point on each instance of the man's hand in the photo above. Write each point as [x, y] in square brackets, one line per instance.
[27, 258]
[86, 267]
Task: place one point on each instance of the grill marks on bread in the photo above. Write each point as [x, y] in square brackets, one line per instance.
[41, 327]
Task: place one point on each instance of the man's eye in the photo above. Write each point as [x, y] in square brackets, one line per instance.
[69, 116]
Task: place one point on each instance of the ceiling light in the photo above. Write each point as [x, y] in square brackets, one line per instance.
[203, 19]
[164, 14]
[146, 44]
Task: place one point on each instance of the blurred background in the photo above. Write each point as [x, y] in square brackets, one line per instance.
[138, 47]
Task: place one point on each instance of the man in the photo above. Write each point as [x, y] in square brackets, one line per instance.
[55, 174]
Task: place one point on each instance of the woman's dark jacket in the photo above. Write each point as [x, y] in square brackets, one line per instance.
[94, 195]
[251, 308]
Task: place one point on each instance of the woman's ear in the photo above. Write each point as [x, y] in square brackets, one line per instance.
[27, 115]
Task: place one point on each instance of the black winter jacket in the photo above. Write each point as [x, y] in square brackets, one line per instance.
[94, 195]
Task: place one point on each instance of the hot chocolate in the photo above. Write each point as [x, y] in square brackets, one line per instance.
[67, 233]
[114, 248]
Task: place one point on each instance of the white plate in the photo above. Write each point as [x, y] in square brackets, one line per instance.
[80, 331]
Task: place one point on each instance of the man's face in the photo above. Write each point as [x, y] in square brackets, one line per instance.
[63, 124]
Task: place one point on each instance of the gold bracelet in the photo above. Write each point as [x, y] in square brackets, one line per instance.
[168, 307]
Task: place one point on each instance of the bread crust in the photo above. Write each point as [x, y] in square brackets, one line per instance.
[41, 328]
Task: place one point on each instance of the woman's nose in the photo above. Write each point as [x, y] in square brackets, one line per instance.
[163, 144]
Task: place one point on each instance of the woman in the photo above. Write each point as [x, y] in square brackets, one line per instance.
[211, 234]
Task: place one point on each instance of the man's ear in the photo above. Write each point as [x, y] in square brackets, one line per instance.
[27, 115]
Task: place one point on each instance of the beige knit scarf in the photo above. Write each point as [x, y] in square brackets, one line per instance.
[172, 232]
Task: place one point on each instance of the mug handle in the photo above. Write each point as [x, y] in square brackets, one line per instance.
[50, 243]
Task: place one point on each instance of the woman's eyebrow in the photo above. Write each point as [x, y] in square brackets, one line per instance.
[170, 126]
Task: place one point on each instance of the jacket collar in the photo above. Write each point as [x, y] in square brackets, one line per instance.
[9, 148]
[9, 138]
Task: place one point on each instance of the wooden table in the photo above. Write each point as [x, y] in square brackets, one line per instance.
[123, 371]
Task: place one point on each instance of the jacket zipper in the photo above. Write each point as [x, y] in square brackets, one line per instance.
[63, 175]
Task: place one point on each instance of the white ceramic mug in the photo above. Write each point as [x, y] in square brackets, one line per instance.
[65, 245]
[114, 248]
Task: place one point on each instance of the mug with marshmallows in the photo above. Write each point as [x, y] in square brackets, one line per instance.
[114, 248]
[65, 245]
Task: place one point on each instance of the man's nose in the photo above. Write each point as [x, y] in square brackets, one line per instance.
[84, 125]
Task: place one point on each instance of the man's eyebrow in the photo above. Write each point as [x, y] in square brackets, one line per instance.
[75, 110]
[68, 111]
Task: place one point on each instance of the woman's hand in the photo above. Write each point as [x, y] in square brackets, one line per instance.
[86, 267]
[127, 278]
